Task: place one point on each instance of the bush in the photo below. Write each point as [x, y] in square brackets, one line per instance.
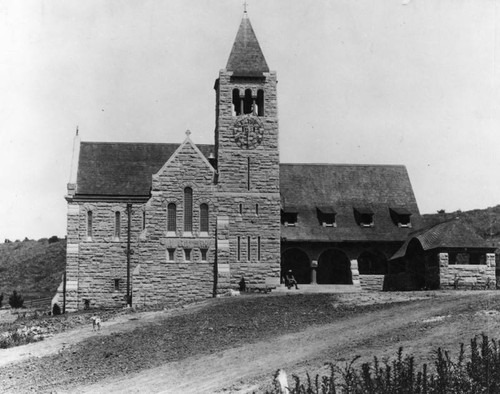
[16, 300]
[56, 310]
[477, 373]
[53, 239]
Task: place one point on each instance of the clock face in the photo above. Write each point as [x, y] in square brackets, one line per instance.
[248, 132]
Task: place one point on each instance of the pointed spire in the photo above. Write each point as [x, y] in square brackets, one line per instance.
[246, 58]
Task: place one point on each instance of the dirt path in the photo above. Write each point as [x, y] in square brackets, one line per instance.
[60, 341]
[418, 327]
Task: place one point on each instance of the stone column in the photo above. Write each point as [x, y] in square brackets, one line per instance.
[72, 260]
[355, 273]
[490, 260]
[314, 267]
[444, 279]
[223, 255]
[491, 270]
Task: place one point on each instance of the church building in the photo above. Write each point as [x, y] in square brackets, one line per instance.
[167, 223]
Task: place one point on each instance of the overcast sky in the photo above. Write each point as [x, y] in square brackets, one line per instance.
[393, 82]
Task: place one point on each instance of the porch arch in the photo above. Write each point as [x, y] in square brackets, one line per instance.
[296, 259]
[334, 267]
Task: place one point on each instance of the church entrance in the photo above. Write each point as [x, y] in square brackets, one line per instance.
[334, 268]
[296, 259]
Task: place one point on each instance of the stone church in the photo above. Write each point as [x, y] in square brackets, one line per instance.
[167, 222]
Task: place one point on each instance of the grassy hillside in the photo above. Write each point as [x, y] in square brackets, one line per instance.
[485, 221]
[33, 268]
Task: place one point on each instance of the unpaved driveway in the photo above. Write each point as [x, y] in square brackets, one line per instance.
[429, 320]
[64, 340]
[418, 327]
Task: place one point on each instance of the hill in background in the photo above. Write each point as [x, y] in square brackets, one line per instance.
[33, 268]
[486, 222]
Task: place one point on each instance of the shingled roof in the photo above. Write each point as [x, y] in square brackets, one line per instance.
[345, 188]
[451, 234]
[246, 58]
[126, 169]
[122, 169]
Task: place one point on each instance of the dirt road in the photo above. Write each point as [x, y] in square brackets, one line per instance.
[440, 319]
[418, 327]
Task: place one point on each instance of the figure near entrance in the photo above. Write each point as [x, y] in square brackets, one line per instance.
[290, 280]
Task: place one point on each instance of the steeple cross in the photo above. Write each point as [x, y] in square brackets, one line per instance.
[245, 4]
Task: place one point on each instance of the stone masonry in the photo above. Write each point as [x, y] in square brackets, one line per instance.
[479, 276]
[248, 186]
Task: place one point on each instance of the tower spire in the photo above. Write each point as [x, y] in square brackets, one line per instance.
[245, 4]
[246, 58]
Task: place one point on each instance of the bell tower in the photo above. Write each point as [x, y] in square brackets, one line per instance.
[247, 152]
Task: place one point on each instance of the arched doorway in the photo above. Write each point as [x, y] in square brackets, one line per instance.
[422, 268]
[334, 268]
[372, 262]
[296, 259]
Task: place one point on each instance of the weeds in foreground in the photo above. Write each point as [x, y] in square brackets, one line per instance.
[475, 373]
[22, 336]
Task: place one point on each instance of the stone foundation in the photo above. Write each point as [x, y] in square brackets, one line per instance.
[372, 282]
[467, 276]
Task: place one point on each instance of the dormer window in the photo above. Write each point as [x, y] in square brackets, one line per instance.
[364, 216]
[289, 216]
[401, 217]
[326, 216]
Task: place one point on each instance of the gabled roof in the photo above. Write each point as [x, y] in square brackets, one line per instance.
[451, 234]
[122, 169]
[346, 187]
[246, 58]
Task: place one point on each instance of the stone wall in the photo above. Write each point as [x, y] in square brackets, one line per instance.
[372, 282]
[467, 276]
[96, 265]
[160, 279]
[248, 189]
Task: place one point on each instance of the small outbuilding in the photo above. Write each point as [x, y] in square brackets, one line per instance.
[447, 255]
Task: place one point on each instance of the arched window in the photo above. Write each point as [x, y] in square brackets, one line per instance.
[260, 102]
[237, 102]
[204, 218]
[188, 209]
[89, 224]
[171, 217]
[248, 102]
[117, 224]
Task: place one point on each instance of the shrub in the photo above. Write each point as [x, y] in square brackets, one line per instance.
[16, 300]
[53, 239]
[477, 373]
[56, 310]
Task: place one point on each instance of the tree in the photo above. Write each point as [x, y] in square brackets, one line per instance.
[16, 300]
[1, 299]
[53, 239]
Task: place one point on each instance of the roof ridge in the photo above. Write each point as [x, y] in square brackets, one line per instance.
[137, 143]
[343, 165]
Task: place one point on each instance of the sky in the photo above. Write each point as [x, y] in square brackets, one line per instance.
[413, 82]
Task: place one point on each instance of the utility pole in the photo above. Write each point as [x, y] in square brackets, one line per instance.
[64, 288]
[129, 214]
